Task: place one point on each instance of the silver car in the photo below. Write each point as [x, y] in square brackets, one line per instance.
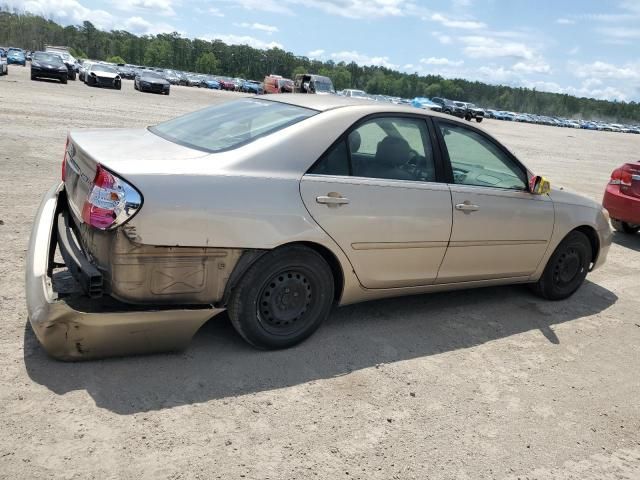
[277, 209]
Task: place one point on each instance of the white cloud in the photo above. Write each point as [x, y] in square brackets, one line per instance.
[241, 40]
[598, 69]
[441, 61]
[442, 38]
[621, 33]
[258, 26]
[157, 7]
[64, 11]
[343, 8]
[575, 50]
[362, 59]
[565, 21]
[140, 26]
[453, 23]
[477, 46]
[532, 66]
[316, 53]
[215, 12]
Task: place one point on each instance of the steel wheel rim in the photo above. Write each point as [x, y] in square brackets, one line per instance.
[285, 302]
[567, 267]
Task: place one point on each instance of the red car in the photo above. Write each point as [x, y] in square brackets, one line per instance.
[226, 84]
[622, 198]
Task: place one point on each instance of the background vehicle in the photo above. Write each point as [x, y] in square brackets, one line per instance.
[226, 84]
[252, 86]
[449, 107]
[17, 57]
[48, 65]
[425, 103]
[472, 112]
[352, 93]
[67, 58]
[277, 84]
[308, 83]
[101, 75]
[622, 198]
[4, 67]
[148, 81]
[315, 222]
[210, 83]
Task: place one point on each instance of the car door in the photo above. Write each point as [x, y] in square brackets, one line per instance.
[376, 193]
[500, 230]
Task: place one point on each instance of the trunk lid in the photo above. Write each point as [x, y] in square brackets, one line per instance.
[115, 149]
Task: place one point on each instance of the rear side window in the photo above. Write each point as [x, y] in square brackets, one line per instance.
[231, 125]
[392, 148]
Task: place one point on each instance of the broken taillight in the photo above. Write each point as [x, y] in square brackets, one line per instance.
[111, 201]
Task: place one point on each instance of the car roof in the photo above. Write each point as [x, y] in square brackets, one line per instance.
[323, 103]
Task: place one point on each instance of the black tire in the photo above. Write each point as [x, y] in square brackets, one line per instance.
[566, 269]
[479, 119]
[33, 77]
[467, 118]
[63, 81]
[282, 298]
[119, 86]
[135, 86]
[72, 76]
[625, 227]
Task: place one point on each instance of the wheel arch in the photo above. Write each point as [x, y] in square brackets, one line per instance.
[594, 240]
[249, 257]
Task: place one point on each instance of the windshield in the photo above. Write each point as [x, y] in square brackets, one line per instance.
[227, 126]
[150, 75]
[323, 86]
[47, 57]
[103, 68]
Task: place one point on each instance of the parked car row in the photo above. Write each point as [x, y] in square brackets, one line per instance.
[561, 122]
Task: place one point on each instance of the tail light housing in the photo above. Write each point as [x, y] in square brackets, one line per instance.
[111, 201]
[622, 176]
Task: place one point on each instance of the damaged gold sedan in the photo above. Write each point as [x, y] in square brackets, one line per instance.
[275, 210]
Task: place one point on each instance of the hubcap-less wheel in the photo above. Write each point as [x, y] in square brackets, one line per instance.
[567, 266]
[282, 298]
[284, 302]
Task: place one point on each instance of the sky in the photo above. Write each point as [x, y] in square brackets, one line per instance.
[580, 47]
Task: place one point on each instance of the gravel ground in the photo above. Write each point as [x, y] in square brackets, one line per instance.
[491, 383]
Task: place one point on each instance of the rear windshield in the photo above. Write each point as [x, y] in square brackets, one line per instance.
[230, 125]
[47, 57]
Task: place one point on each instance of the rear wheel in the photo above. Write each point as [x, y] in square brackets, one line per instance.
[283, 298]
[625, 227]
[63, 80]
[567, 268]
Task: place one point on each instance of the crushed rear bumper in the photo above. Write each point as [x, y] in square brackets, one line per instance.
[71, 325]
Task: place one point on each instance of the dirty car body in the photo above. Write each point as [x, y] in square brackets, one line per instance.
[278, 209]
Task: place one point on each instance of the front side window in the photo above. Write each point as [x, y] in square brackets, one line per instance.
[393, 148]
[478, 161]
[227, 126]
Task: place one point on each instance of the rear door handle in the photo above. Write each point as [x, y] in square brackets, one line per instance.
[332, 200]
[467, 207]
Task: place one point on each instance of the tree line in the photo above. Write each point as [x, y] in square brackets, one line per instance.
[171, 50]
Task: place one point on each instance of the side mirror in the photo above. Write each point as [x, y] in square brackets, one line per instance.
[539, 185]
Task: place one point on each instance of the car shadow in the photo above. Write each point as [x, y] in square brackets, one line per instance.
[219, 364]
[627, 240]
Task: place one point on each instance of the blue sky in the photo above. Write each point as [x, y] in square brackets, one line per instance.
[585, 48]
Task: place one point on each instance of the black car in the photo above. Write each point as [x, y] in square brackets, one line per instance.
[48, 65]
[471, 111]
[147, 81]
[449, 107]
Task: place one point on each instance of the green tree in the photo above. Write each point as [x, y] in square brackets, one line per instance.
[115, 59]
[207, 63]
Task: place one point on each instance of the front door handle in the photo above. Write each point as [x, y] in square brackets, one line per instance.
[467, 207]
[332, 199]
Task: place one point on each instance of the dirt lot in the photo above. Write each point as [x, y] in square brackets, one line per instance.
[492, 383]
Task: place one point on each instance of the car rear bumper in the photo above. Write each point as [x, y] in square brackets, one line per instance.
[72, 326]
[620, 206]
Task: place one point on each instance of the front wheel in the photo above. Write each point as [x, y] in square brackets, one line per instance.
[567, 268]
[282, 298]
[63, 81]
[478, 119]
[625, 227]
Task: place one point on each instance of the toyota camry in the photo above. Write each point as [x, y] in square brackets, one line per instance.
[276, 210]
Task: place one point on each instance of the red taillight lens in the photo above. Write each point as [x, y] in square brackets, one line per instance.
[111, 201]
[622, 176]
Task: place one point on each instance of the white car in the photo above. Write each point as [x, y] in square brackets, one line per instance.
[4, 67]
[101, 75]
